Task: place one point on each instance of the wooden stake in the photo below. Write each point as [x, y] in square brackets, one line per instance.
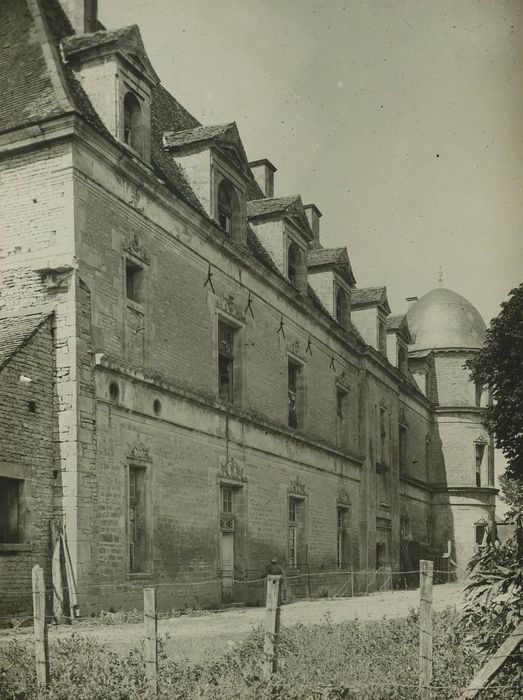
[71, 583]
[351, 582]
[272, 626]
[425, 628]
[494, 664]
[56, 571]
[151, 638]
[40, 628]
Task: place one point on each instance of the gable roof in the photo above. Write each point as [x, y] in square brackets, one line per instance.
[127, 40]
[271, 207]
[332, 257]
[398, 324]
[370, 296]
[16, 331]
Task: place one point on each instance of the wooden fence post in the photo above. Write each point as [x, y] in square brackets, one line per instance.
[351, 582]
[272, 626]
[426, 570]
[40, 628]
[151, 638]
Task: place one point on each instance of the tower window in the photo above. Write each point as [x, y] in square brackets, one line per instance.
[297, 546]
[137, 511]
[10, 510]
[132, 123]
[342, 553]
[342, 414]
[403, 448]
[294, 393]
[480, 451]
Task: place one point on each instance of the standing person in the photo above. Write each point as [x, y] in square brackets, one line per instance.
[273, 568]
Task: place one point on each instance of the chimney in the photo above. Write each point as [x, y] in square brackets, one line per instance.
[411, 301]
[263, 171]
[82, 14]
[314, 216]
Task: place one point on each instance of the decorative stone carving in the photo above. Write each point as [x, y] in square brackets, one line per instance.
[226, 303]
[231, 469]
[296, 349]
[298, 487]
[480, 440]
[134, 247]
[140, 452]
[343, 380]
[343, 496]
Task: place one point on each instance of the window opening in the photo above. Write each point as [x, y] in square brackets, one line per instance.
[480, 451]
[9, 510]
[132, 135]
[133, 281]
[403, 448]
[382, 338]
[341, 414]
[480, 533]
[226, 499]
[293, 377]
[341, 306]
[478, 392]
[342, 535]
[226, 362]
[294, 264]
[137, 520]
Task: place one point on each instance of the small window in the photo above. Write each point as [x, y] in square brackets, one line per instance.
[480, 531]
[138, 554]
[403, 448]
[480, 451]
[405, 526]
[478, 393]
[133, 282]
[132, 127]
[294, 391]
[342, 307]
[403, 360]
[10, 531]
[383, 436]
[226, 347]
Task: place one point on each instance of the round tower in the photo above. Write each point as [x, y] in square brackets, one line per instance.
[448, 330]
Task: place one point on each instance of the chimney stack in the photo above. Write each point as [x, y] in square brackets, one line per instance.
[410, 301]
[314, 216]
[263, 171]
[82, 14]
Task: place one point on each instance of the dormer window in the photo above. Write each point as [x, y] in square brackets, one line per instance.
[295, 266]
[342, 307]
[229, 210]
[132, 123]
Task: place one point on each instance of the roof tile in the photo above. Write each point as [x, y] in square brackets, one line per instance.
[15, 331]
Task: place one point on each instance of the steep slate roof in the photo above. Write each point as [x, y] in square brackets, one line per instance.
[198, 134]
[333, 257]
[394, 323]
[79, 42]
[265, 207]
[369, 295]
[16, 332]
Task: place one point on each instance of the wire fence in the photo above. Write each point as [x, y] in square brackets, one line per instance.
[42, 598]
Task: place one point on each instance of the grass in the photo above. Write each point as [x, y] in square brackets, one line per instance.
[363, 660]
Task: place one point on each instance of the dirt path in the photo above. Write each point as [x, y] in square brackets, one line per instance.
[209, 635]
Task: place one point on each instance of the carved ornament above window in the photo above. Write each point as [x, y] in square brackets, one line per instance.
[226, 303]
[344, 497]
[134, 247]
[231, 469]
[140, 453]
[298, 487]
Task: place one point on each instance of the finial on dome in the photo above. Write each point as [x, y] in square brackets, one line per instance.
[440, 276]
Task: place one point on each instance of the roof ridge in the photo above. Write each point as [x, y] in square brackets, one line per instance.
[50, 55]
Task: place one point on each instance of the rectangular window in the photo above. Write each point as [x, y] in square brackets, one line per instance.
[10, 510]
[480, 451]
[294, 393]
[382, 437]
[342, 415]
[226, 348]
[133, 282]
[342, 536]
[296, 532]
[227, 501]
[137, 520]
[403, 448]
[480, 532]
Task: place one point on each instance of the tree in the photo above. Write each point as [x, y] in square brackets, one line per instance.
[499, 365]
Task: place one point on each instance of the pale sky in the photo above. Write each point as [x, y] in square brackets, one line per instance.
[400, 119]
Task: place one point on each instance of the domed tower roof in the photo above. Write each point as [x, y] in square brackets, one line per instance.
[443, 319]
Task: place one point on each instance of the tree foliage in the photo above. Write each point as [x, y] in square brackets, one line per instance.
[499, 365]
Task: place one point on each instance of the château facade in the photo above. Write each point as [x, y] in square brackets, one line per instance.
[190, 382]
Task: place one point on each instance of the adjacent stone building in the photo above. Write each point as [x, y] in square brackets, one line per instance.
[190, 383]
